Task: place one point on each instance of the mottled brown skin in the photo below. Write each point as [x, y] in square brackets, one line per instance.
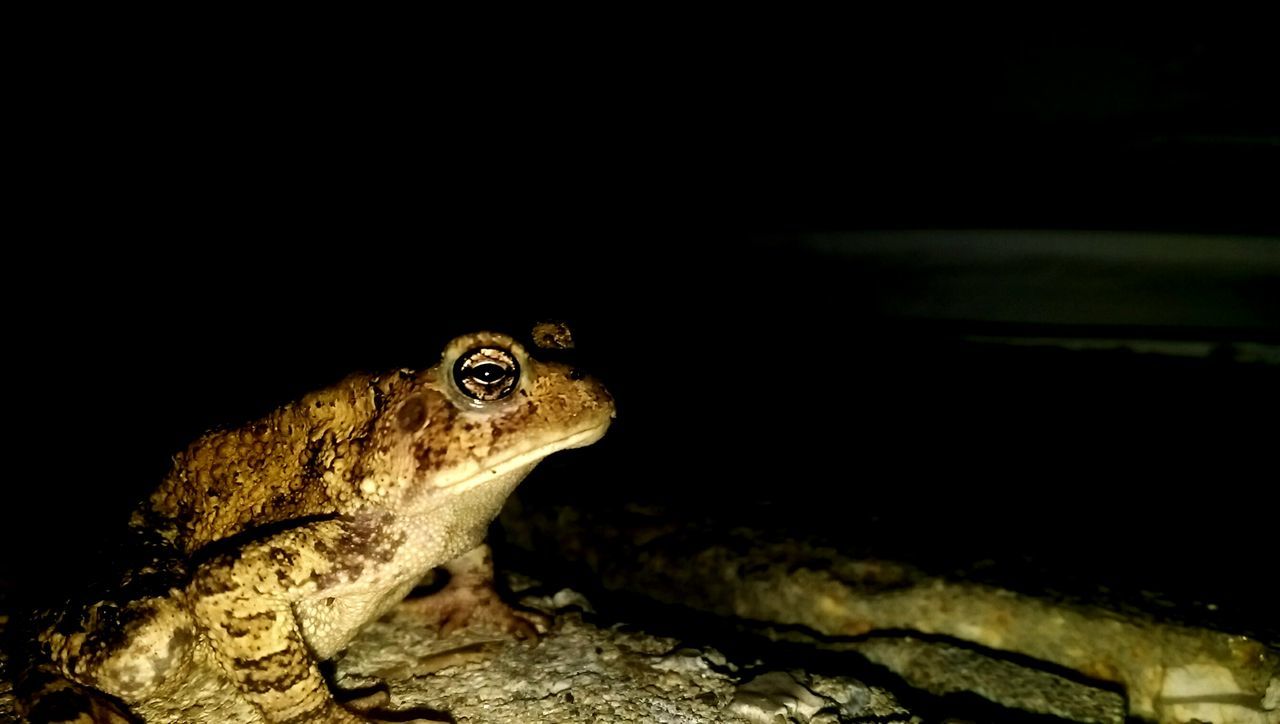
[269, 546]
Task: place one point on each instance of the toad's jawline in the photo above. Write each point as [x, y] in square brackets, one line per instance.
[499, 471]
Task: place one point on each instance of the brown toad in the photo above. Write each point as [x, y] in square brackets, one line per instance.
[268, 547]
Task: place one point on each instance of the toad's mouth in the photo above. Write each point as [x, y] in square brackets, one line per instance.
[521, 463]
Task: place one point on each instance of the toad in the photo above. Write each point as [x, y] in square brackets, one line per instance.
[268, 547]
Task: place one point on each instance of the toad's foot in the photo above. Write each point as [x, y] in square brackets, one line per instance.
[465, 607]
[372, 704]
[47, 697]
[469, 601]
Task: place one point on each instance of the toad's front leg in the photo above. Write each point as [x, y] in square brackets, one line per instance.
[470, 600]
[244, 601]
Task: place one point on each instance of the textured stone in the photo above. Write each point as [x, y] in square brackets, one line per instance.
[581, 672]
[944, 635]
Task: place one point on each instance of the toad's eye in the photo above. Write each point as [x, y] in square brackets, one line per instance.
[487, 373]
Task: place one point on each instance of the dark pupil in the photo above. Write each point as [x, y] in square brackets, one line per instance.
[488, 373]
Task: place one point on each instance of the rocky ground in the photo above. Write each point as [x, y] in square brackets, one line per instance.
[583, 670]
[655, 620]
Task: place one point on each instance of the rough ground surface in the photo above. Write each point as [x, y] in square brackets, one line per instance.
[699, 625]
[1036, 654]
[583, 672]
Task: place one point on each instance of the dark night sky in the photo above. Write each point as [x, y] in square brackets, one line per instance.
[201, 242]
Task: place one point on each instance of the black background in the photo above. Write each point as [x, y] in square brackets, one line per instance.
[199, 236]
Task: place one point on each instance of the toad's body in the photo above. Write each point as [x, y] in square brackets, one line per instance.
[268, 547]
